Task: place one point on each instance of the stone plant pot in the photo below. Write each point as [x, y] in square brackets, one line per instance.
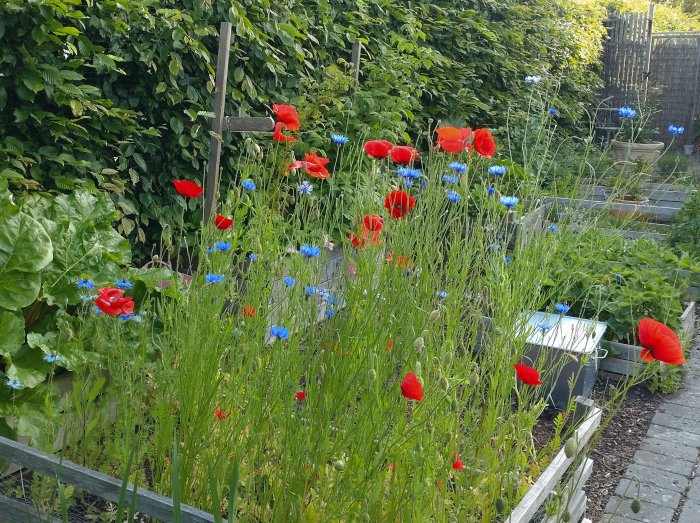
[629, 151]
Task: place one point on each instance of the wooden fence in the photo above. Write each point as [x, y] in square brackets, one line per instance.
[635, 59]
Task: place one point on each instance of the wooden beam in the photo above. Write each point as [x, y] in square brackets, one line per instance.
[15, 511]
[106, 487]
[356, 53]
[213, 168]
[259, 124]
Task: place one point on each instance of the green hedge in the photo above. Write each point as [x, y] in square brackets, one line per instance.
[114, 95]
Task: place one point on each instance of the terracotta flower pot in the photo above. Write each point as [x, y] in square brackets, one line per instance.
[631, 151]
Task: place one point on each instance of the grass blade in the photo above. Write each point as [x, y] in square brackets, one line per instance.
[214, 489]
[125, 483]
[232, 493]
[132, 505]
[64, 503]
[177, 516]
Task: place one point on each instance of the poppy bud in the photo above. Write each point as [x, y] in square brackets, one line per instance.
[566, 517]
[372, 374]
[444, 383]
[455, 405]
[434, 316]
[69, 333]
[636, 505]
[474, 378]
[339, 465]
[500, 505]
[570, 448]
[436, 362]
[245, 198]
[419, 343]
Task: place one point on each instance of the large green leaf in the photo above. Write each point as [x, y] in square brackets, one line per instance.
[18, 289]
[24, 244]
[12, 329]
[28, 367]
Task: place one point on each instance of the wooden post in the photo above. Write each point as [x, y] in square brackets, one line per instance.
[356, 52]
[217, 125]
[690, 132]
[650, 45]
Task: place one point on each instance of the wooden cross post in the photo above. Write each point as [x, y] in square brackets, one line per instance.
[222, 123]
[356, 52]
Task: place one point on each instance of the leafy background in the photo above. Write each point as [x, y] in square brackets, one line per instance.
[114, 95]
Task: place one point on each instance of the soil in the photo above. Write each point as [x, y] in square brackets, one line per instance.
[617, 444]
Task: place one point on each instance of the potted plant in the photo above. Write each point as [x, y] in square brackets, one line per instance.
[635, 139]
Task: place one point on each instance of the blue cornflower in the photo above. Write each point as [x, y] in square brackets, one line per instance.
[498, 170]
[544, 326]
[310, 251]
[561, 308]
[530, 79]
[223, 246]
[494, 246]
[125, 317]
[288, 281]
[14, 384]
[448, 178]
[98, 310]
[552, 228]
[323, 294]
[553, 111]
[305, 188]
[210, 250]
[248, 184]
[408, 183]
[453, 196]
[214, 278]
[442, 295]
[508, 259]
[490, 191]
[136, 317]
[560, 214]
[676, 130]
[619, 277]
[408, 173]
[85, 284]
[509, 201]
[124, 284]
[252, 256]
[50, 358]
[87, 297]
[626, 112]
[458, 167]
[279, 332]
[339, 139]
[330, 313]
[309, 290]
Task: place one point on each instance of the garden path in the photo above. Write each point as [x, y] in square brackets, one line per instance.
[666, 463]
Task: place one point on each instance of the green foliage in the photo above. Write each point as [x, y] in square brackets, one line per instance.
[684, 235]
[47, 243]
[115, 95]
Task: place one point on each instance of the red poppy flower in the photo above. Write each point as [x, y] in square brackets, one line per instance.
[453, 139]
[403, 154]
[660, 343]
[188, 188]
[373, 222]
[484, 143]
[390, 344]
[458, 465]
[287, 115]
[249, 311]
[411, 388]
[399, 203]
[314, 165]
[300, 396]
[389, 257]
[372, 225]
[223, 223]
[112, 301]
[220, 414]
[279, 137]
[378, 148]
[527, 375]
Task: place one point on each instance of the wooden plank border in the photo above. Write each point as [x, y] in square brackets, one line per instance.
[96, 483]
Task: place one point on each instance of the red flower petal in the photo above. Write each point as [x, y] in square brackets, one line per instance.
[527, 375]
[458, 465]
[223, 223]
[373, 222]
[452, 146]
[188, 188]
[398, 203]
[354, 239]
[287, 115]
[300, 396]
[453, 133]
[411, 388]
[660, 343]
[484, 143]
[249, 311]
[111, 301]
[378, 148]
[279, 137]
[403, 154]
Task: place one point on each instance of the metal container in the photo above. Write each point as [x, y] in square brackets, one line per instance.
[564, 349]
